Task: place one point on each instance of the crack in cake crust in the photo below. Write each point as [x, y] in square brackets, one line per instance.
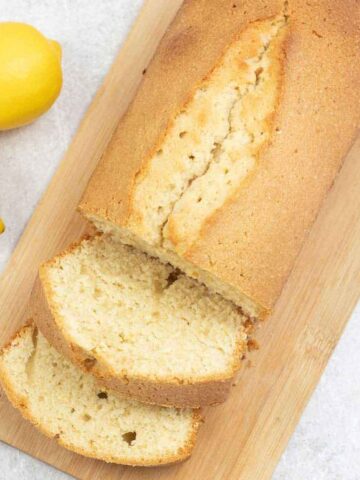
[208, 141]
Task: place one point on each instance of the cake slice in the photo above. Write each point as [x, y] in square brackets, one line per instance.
[67, 405]
[142, 327]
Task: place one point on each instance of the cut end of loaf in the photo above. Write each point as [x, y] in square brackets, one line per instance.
[249, 307]
[67, 405]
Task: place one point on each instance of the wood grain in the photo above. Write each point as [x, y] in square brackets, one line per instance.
[243, 439]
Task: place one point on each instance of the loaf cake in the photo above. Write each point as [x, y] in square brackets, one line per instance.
[67, 405]
[232, 141]
[143, 328]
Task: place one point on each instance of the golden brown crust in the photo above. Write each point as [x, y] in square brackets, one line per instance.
[172, 393]
[20, 403]
[315, 125]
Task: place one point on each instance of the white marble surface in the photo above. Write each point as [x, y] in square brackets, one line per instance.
[326, 444]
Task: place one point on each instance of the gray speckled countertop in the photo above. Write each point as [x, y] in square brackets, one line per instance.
[326, 444]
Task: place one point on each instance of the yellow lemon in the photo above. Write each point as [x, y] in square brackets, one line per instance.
[30, 74]
[2, 226]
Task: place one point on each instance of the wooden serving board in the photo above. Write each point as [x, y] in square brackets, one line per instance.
[244, 438]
